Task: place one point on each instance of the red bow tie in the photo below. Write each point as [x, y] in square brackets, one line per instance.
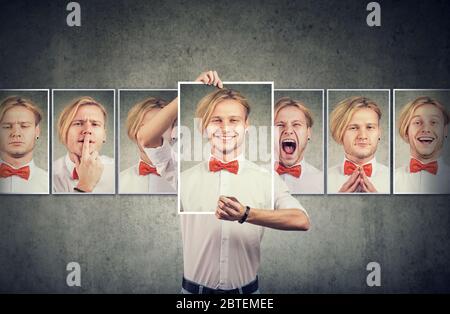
[416, 166]
[350, 167]
[75, 174]
[7, 171]
[146, 169]
[294, 171]
[216, 165]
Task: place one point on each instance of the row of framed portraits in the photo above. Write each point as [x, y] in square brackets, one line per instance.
[335, 141]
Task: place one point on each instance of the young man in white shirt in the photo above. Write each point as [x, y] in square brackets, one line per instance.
[221, 252]
[355, 124]
[293, 123]
[423, 124]
[19, 131]
[81, 128]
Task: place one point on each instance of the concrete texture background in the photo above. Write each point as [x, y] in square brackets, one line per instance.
[336, 151]
[314, 101]
[41, 99]
[63, 98]
[257, 141]
[128, 151]
[133, 243]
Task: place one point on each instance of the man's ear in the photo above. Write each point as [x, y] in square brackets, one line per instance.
[246, 124]
[309, 133]
[446, 130]
[37, 133]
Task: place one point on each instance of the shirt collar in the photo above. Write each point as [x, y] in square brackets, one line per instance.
[158, 156]
[70, 165]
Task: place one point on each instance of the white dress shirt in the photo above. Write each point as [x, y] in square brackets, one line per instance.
[225, 254]
[380, 177]
[309, 182]
[37, 183]
[423, 182]
[64, 183]
[165, 160]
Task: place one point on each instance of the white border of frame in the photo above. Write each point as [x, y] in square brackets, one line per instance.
[179, 156]
[118, 138]
[388, 136]
[394, 127]
[324, 170]
[48, 137]
[114, 134]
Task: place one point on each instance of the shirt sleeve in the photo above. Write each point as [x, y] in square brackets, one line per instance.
[283, 198]
[160, 156]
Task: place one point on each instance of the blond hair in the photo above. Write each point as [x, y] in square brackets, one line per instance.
[14, 101]
[207, 104]
[343, 112]
[284, 102]
[137, 113]
[68, 114]
[407, 113]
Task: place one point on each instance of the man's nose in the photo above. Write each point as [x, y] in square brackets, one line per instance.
[87, 129]
[288, 130]
[426, 127]
[16, 130]
[362, 133]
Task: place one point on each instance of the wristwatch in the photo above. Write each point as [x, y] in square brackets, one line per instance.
[244, 218]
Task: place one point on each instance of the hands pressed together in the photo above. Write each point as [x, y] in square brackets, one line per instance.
[358, 181]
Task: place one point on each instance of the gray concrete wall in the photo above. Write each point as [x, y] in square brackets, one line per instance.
[133, 243]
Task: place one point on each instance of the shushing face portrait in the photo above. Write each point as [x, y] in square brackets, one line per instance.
[84, 117]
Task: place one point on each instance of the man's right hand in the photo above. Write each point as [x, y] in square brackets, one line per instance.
[352, 183]
[89, 167]
[210, 78]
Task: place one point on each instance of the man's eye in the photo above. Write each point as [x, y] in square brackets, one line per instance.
[352, 128]
[297, 124]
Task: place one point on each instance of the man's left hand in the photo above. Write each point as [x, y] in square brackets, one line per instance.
[229, 208]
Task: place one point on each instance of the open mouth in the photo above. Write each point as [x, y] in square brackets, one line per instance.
[426, 139]
[289, 146]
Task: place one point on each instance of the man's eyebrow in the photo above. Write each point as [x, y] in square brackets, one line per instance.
[21, 122]
[84, 120]
[420, 116]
